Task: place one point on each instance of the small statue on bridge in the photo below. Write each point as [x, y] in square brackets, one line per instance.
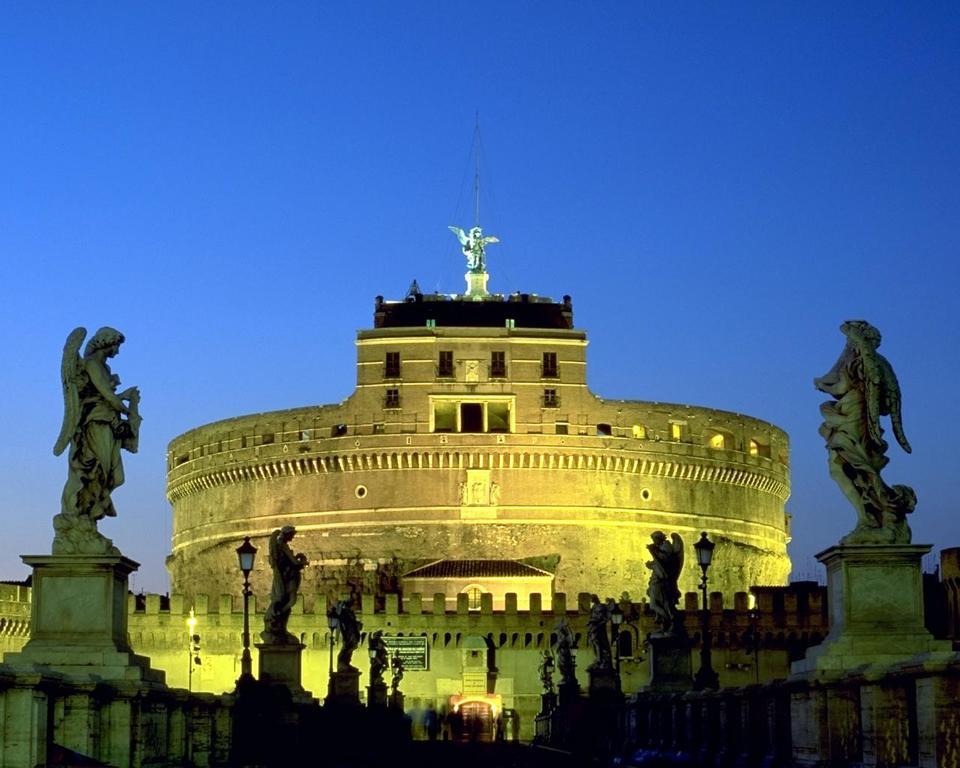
[546, 670]
[563, 648]
[287, 568]
[597, 633]
[663, 590]
[396, 666]
[349, 629]
[379, 657]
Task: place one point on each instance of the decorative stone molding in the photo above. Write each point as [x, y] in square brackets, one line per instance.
[675, 468]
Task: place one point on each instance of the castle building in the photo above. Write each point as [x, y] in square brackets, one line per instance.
[472, 436]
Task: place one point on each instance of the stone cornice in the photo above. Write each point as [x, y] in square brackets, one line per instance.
[667, 466]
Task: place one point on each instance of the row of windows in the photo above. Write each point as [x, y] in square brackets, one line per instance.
[479, 417]
[549, 368]
[391, 399]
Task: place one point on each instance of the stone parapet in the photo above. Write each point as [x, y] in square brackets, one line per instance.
[910, 715]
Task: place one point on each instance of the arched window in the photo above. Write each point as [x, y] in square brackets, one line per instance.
[473, 593]
[719, 440]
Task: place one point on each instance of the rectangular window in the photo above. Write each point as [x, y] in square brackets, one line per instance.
[550, 399]
[479, 416]
[444, 417]
[392, 399]
[391, 366]
[379, 429]
[549, 370]
[498, 417]
[639, 431]
[498, 365]
[562, 428]
[338, 430]
[676, 430]
[445, 364]
[471, 417]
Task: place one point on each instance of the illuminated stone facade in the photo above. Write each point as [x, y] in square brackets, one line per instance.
[750, 645]
[472, 434]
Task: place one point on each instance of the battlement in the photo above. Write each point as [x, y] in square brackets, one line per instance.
[803, 603]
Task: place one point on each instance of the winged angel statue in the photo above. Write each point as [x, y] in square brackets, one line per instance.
[665, 570]
[474, 244]
[864, 388]
[97, 423]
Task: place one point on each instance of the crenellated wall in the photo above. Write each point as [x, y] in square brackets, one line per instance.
[749, 644]
[786, 622]
[14, 617]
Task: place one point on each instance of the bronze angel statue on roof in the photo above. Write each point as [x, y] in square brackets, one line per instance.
[473, 244]
[864, 388]
[98, 422]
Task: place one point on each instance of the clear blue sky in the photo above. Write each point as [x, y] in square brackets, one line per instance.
[718, 186]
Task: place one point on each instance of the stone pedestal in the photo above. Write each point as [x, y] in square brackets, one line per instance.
[670, 667]
[396, 701]
[344, 687]
[78, 622]
[280, 664]
[548, 702]
[568, 694]
[377, 695]
[603, 681]
[875, 594]
[477, 284]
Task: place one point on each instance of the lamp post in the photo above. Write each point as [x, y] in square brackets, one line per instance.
[706, 677]
[246, 554]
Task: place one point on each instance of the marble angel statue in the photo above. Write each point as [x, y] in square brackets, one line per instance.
[864, 388]
[98, 422]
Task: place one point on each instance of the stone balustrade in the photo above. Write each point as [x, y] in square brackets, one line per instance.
[909, 715]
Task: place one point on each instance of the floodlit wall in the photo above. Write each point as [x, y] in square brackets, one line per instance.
[553, 474]
[748, 644]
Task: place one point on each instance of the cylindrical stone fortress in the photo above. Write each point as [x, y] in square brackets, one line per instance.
[472, 434]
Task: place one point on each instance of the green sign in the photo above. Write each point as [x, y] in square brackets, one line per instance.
[413, 651]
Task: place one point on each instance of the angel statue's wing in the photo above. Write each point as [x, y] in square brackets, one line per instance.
[891, 403]
[873, 392]
[678, 551]
[69, 373]
[461, 235]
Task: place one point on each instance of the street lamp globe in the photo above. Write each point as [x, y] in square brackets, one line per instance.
[246, 554]
[704, 549]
